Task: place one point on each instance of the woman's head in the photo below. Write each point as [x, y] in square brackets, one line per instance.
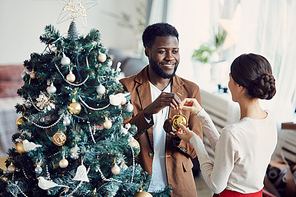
[254, 73]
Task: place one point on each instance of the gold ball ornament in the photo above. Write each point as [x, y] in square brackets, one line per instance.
[115, 169]
[70, 77]
[20, 148]
[143, 194]
[32, 75]
[63, 163]
[59, 138]
[177, 119]
[74, 107]
[20, 121]
[102, 57]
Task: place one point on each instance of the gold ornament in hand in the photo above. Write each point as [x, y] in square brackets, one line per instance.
[179, 118]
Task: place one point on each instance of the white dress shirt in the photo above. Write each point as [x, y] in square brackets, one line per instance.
[159, 176]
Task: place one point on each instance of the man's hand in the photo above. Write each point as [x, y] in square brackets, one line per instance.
[168, 127]
[163, 100]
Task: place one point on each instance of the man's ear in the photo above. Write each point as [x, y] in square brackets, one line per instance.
[147, 52]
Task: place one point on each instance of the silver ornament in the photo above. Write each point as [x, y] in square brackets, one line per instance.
[51, 89]
[66, 121]
[65, 60]
[129, 107]
[101, 89]
[38, 169]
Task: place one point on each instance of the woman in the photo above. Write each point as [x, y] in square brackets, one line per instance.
[243, 150]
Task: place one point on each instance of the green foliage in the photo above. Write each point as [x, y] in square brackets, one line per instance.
[206, 50]
[203, 54]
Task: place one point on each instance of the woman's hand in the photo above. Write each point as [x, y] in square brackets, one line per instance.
[184, 133]
[191, 104]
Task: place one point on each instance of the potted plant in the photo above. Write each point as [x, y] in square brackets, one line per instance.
[208, 56]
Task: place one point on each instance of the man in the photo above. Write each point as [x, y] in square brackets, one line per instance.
[156, 94]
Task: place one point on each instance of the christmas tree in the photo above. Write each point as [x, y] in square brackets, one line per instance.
[72, 140]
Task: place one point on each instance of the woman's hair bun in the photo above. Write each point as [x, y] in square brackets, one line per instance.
[263, 87]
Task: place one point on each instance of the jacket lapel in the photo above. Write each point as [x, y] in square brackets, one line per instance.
[144, 93]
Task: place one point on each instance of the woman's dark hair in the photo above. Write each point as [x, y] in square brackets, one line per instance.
[254, 72]
[158, 29]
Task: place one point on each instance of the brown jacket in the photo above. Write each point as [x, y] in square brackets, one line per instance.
[178, 162]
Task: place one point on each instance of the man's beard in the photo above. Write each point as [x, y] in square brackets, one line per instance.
[157, 69]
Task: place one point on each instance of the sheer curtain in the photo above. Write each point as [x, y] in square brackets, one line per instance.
[266, 27]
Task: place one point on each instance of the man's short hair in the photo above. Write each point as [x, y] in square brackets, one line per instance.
[158, 29]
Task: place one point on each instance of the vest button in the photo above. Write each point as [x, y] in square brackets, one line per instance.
[150, 154]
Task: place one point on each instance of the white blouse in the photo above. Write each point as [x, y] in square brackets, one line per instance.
[242, 153]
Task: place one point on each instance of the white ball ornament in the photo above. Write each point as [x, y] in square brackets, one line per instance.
[101, 89]
[102, 57]
[51, 89]
[63, 163]
[70, 77]
[115, 169]
[107, 124]
[65, 60]
[129, 107]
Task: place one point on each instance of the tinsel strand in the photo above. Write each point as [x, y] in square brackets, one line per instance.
[31, 100]
[19, 189]
[104, 178]
[73, 84]
[24, 172]
[43, 127]
[96, 109]
[132, 179]
[91, 133]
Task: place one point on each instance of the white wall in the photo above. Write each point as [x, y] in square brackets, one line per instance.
[23, 21]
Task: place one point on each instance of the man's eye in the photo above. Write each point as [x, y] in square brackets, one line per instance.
[161, 52]
[175, 51]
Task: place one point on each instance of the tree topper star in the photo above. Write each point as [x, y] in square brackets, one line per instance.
[75, 9]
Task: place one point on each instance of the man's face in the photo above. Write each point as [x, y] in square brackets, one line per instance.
[164, 56]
